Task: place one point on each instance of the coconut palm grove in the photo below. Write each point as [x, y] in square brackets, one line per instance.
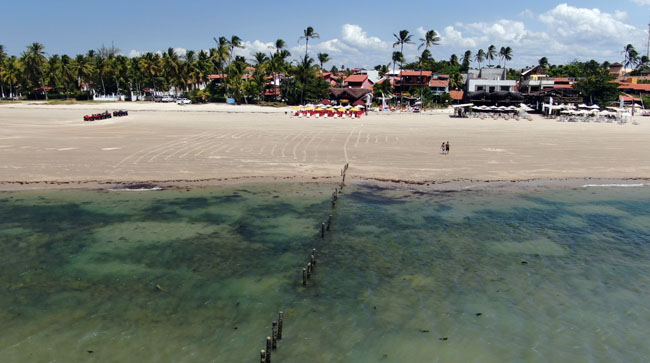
[274, 77]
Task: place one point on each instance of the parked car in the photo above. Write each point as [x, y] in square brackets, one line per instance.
[167, 99]
[183, 101]
[155, 98]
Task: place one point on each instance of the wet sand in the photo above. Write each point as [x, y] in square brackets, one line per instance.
[50, 146]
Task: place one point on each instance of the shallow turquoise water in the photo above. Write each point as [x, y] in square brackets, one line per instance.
[403, 276]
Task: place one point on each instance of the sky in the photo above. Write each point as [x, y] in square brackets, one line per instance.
[355, 35]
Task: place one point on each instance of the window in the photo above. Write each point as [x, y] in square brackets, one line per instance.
[480, 88]
[505, 88]
[492, 89]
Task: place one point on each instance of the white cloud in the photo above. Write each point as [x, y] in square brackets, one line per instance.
[453, 37]
[642, 2]
[589, 26]
[134, 53]
[355, 36]
[250, 48]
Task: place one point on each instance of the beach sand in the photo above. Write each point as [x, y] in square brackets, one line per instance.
[47, 145]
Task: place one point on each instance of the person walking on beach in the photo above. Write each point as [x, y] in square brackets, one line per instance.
[447, 148]
[442, 148]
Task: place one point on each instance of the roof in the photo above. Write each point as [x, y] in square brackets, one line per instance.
[561, 79]
[626, 97]
[488, 73]
[441, 76]
[438, 83]
[360, 78]
[217, 76]
[456, 95]
[354, 93]
[636, 87]
[563, 86]
[415, 73]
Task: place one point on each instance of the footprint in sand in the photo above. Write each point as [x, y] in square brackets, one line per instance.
[110, 148]
[67, 148]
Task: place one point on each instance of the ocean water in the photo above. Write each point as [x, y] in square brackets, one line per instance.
[402, 276]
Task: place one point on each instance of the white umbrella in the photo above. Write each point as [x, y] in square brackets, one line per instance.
[502, 108]
[361, 106]
[494, 108]
[512, 108]
[594, 107]
[582, 105]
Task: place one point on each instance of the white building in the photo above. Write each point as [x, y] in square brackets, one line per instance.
[489, 80]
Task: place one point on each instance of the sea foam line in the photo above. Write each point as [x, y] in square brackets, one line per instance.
[135, 190]
[615, 185]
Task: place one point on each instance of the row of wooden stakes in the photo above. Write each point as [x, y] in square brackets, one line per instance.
[272, 341]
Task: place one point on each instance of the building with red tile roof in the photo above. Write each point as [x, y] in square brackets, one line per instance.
[358, 81]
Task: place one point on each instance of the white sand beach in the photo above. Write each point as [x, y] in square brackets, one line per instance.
[46, 144]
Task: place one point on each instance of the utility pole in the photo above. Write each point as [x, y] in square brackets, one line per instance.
[647, 48]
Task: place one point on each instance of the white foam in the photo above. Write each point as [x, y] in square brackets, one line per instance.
[135, 190]
[614, 185]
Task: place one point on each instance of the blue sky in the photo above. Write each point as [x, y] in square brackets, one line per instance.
[351, 35]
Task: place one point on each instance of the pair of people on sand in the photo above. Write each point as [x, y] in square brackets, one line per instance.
[444, 148]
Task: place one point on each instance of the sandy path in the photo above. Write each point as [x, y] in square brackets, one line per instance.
[165, 142]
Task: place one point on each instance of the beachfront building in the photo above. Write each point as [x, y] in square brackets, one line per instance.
[439, 84]
[535, 79]
[489, 80]
[358, 81]
[412, 79]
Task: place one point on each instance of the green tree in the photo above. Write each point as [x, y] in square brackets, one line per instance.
[506, 55]
[308, 33]
[596, 84]
[34, 61]
[466, 60]
[322, 59]
[397, 57]
[631, 56]
[401, 38]
[480, 57]
[491, 54]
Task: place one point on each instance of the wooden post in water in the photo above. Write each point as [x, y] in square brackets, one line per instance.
[304, 276]
[312, 261]
[274, 334]
[268, 349]
[262, 356]
[329, 222]
[308, 271]
[322, 230]
[280, 319]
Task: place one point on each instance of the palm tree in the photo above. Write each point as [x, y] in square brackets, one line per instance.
[506, 55]
[430, 38]
[323, 58]
[34, 60]
[397, 57]
[491, 54]
[234, 42]
[308, 33]
[631, 56]
[150, 64]
[480, 57]
[401, 38]
[467, 59]
[453, 60]
[220, 54]
[3, 56]
[543, 62]
[11, 73]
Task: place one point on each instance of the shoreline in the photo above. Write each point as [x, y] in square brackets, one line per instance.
[455, 185]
